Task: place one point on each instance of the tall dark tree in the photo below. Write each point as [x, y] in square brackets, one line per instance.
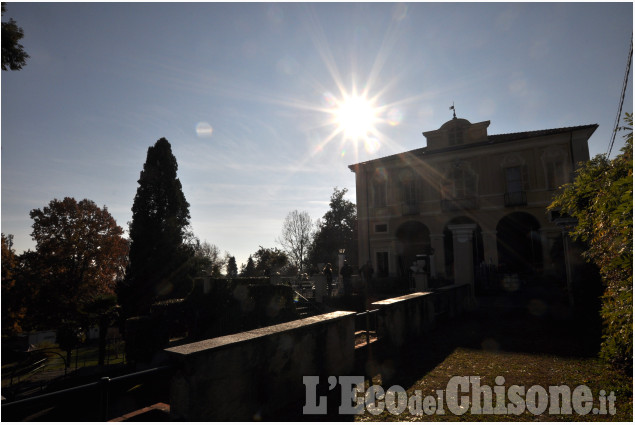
[160, 259]
[232, 267]
[249, 270]
[13, 55]
[336, 230]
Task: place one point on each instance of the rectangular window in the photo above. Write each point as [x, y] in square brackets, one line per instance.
[381, 228]
[513, 178]
[382, 264]
[409, 192]
[379, 189]
[556, 174]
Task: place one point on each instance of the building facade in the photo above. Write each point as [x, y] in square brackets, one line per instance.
[469, 200]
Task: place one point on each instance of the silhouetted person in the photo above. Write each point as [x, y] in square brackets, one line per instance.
[347, 273]
[328, 273]
[367, 272]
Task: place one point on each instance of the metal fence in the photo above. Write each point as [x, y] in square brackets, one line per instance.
[95, 401]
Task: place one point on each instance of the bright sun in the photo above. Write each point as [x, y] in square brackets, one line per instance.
[355, 117]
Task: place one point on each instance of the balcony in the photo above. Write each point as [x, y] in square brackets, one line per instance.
[460, 204]
[516, 199]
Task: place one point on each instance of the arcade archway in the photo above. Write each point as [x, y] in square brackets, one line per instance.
[519, 243]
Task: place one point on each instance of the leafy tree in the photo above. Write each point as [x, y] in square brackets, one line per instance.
[160, 264]
[80, 253]
[270, 260]
[296, 237]
[13, 55]
[13, 306]
[336, 230]
[249, 270]
[601, 199]
[232, 268]
[209, 258]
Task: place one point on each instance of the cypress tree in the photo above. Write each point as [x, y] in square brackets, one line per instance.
[158, 266]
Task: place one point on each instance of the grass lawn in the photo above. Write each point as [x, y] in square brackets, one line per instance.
[527, 339]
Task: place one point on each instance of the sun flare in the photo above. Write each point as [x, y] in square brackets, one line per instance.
[356, 117]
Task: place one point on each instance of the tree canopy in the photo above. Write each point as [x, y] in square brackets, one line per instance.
[601, 200]
[336, 230]
[13, 55]
[296, 237]
[160, 259]
[270, 260]
[80, 254]
[13, 306]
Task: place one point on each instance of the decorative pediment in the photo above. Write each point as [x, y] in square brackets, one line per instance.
[457, 132]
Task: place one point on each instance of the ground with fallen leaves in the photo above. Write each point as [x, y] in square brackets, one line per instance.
[528, 338]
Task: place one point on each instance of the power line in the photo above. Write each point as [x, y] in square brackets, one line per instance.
[619, 110]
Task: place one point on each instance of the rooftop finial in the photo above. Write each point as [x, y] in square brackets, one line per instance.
[453, 111]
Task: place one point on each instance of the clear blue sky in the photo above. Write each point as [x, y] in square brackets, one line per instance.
[245, 94]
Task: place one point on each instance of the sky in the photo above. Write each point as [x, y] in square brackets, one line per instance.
[266, 104]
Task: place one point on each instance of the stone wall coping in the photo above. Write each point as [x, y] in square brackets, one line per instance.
[401, 298]
[450, 287]
[227, 340]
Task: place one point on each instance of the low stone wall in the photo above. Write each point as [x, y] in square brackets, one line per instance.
[243, 377]
[401, 318]
[410, 316]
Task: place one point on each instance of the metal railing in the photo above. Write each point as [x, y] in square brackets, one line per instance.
[409, 208]
[103, 387]
[513, 199]
[367, 321]
[459, 204]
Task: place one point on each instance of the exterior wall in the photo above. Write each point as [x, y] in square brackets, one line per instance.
[545, 161]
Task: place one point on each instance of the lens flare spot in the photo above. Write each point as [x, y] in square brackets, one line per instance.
[380, 173]
[343, 153]
[371, 145]
[203, 129]
[394, 117]
[329, 99]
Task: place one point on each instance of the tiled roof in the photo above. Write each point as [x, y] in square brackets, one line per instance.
[507, 137]
[491, 139]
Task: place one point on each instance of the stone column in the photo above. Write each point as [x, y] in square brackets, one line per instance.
[436, 241]
[490, 246]
[462, 235]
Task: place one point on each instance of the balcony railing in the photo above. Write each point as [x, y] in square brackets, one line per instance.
[515, 199]
[409, 209]
[459, 204]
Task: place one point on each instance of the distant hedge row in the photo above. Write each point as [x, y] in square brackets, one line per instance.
[230, 306]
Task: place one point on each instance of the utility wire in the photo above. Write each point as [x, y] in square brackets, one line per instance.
[619, 110]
